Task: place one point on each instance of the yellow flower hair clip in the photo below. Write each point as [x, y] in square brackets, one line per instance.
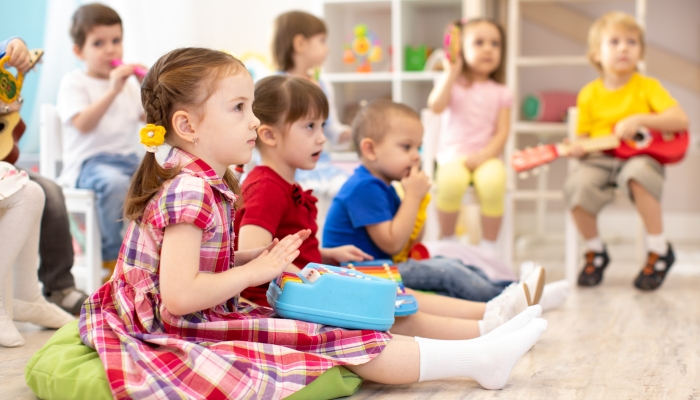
[152, 136]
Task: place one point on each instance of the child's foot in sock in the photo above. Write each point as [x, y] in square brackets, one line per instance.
[501, 327]
[511, 302]
[554, 294]
[40, 312]
[9, 335]
[487, 362]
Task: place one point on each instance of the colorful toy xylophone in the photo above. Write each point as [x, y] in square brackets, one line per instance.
[334, 296]
[406, 304]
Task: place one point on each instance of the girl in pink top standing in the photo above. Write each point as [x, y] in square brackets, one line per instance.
[475, 126]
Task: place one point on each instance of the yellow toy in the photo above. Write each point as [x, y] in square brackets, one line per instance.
[364, 48]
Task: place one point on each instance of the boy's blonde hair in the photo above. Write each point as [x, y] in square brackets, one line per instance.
[613, 19]
[286, 27]
[373, 120]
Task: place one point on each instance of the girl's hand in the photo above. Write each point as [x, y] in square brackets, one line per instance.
[19, 55]
[342, 254]
[304, 234]
[452, 67]
[271, 263]
[628, 127]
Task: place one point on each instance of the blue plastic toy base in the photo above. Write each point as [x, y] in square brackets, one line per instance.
[337, 300]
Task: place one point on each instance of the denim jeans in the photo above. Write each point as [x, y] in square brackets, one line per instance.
[109, 176]
[450, 277]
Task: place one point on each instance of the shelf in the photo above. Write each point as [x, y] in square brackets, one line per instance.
[548, 128]
[358, 76]
[537, 194]
[551, 61]
[419, 75]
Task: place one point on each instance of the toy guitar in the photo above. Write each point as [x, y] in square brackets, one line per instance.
[334, 296]
[666, 148]
[11, 125]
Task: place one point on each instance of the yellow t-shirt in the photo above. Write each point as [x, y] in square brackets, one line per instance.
[600, 108]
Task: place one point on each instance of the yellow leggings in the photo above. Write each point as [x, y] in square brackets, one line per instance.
[489, 179]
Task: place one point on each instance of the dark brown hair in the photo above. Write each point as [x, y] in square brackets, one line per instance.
[283, 99]
[89, 16]
[499, 75]
[182, 78]
[286, 27]
[374, 120]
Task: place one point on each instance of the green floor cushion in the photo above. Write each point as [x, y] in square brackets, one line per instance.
[67, 369]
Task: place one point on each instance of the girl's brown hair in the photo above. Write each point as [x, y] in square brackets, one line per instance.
[184, 77]
[499, 75]
[286, 27]
[282, 99]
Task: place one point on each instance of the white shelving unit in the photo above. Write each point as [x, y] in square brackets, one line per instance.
[397, 24]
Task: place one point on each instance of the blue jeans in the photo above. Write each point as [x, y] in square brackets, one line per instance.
[450, 277]
[109, 176]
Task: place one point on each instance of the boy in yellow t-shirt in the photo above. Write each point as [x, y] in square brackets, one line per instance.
[619, 103]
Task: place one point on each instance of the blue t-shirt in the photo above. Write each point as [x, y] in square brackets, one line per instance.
[363, 200]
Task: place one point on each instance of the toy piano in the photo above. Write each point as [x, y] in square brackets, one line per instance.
[406, 304]
[334, 296]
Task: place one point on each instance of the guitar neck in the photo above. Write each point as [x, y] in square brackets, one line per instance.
[592, 145]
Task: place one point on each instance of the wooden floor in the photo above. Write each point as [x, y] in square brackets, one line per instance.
[610, 342]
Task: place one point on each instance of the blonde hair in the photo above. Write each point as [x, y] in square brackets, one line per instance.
[183, 77]
[499, 75]
[373, 120]
[612, 19]
[286, 27]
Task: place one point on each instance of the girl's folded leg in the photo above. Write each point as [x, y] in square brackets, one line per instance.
[436, 327]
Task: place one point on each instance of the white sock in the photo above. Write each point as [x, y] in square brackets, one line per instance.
[657, 244]
[595, 244]
[488, 362]
[554, 294]
[9, 335]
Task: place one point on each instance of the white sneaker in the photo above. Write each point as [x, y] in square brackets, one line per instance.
[532, 274]
[40, 312]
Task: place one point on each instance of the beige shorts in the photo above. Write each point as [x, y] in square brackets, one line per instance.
[592, 183]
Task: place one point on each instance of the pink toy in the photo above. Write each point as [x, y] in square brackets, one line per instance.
[137, 70]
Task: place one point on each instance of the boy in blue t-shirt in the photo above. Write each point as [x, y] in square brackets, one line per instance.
[368, 213]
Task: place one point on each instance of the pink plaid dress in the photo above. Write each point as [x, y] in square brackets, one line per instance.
[229, 351]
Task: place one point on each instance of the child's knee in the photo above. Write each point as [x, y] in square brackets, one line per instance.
[490, 184]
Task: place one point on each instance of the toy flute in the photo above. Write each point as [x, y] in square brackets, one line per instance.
[140, 71]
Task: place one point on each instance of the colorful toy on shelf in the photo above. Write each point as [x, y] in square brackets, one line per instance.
[334, 296]
[415, 57]
[451, 42]
[406, 304]
[549, 106]
[363, 48]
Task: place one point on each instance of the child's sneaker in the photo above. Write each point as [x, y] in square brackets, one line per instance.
[654, 272]
[592, 273]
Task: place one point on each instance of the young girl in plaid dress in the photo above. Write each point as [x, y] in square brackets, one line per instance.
[169, 324]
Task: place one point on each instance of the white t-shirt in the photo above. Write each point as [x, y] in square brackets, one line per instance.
[116, 133]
